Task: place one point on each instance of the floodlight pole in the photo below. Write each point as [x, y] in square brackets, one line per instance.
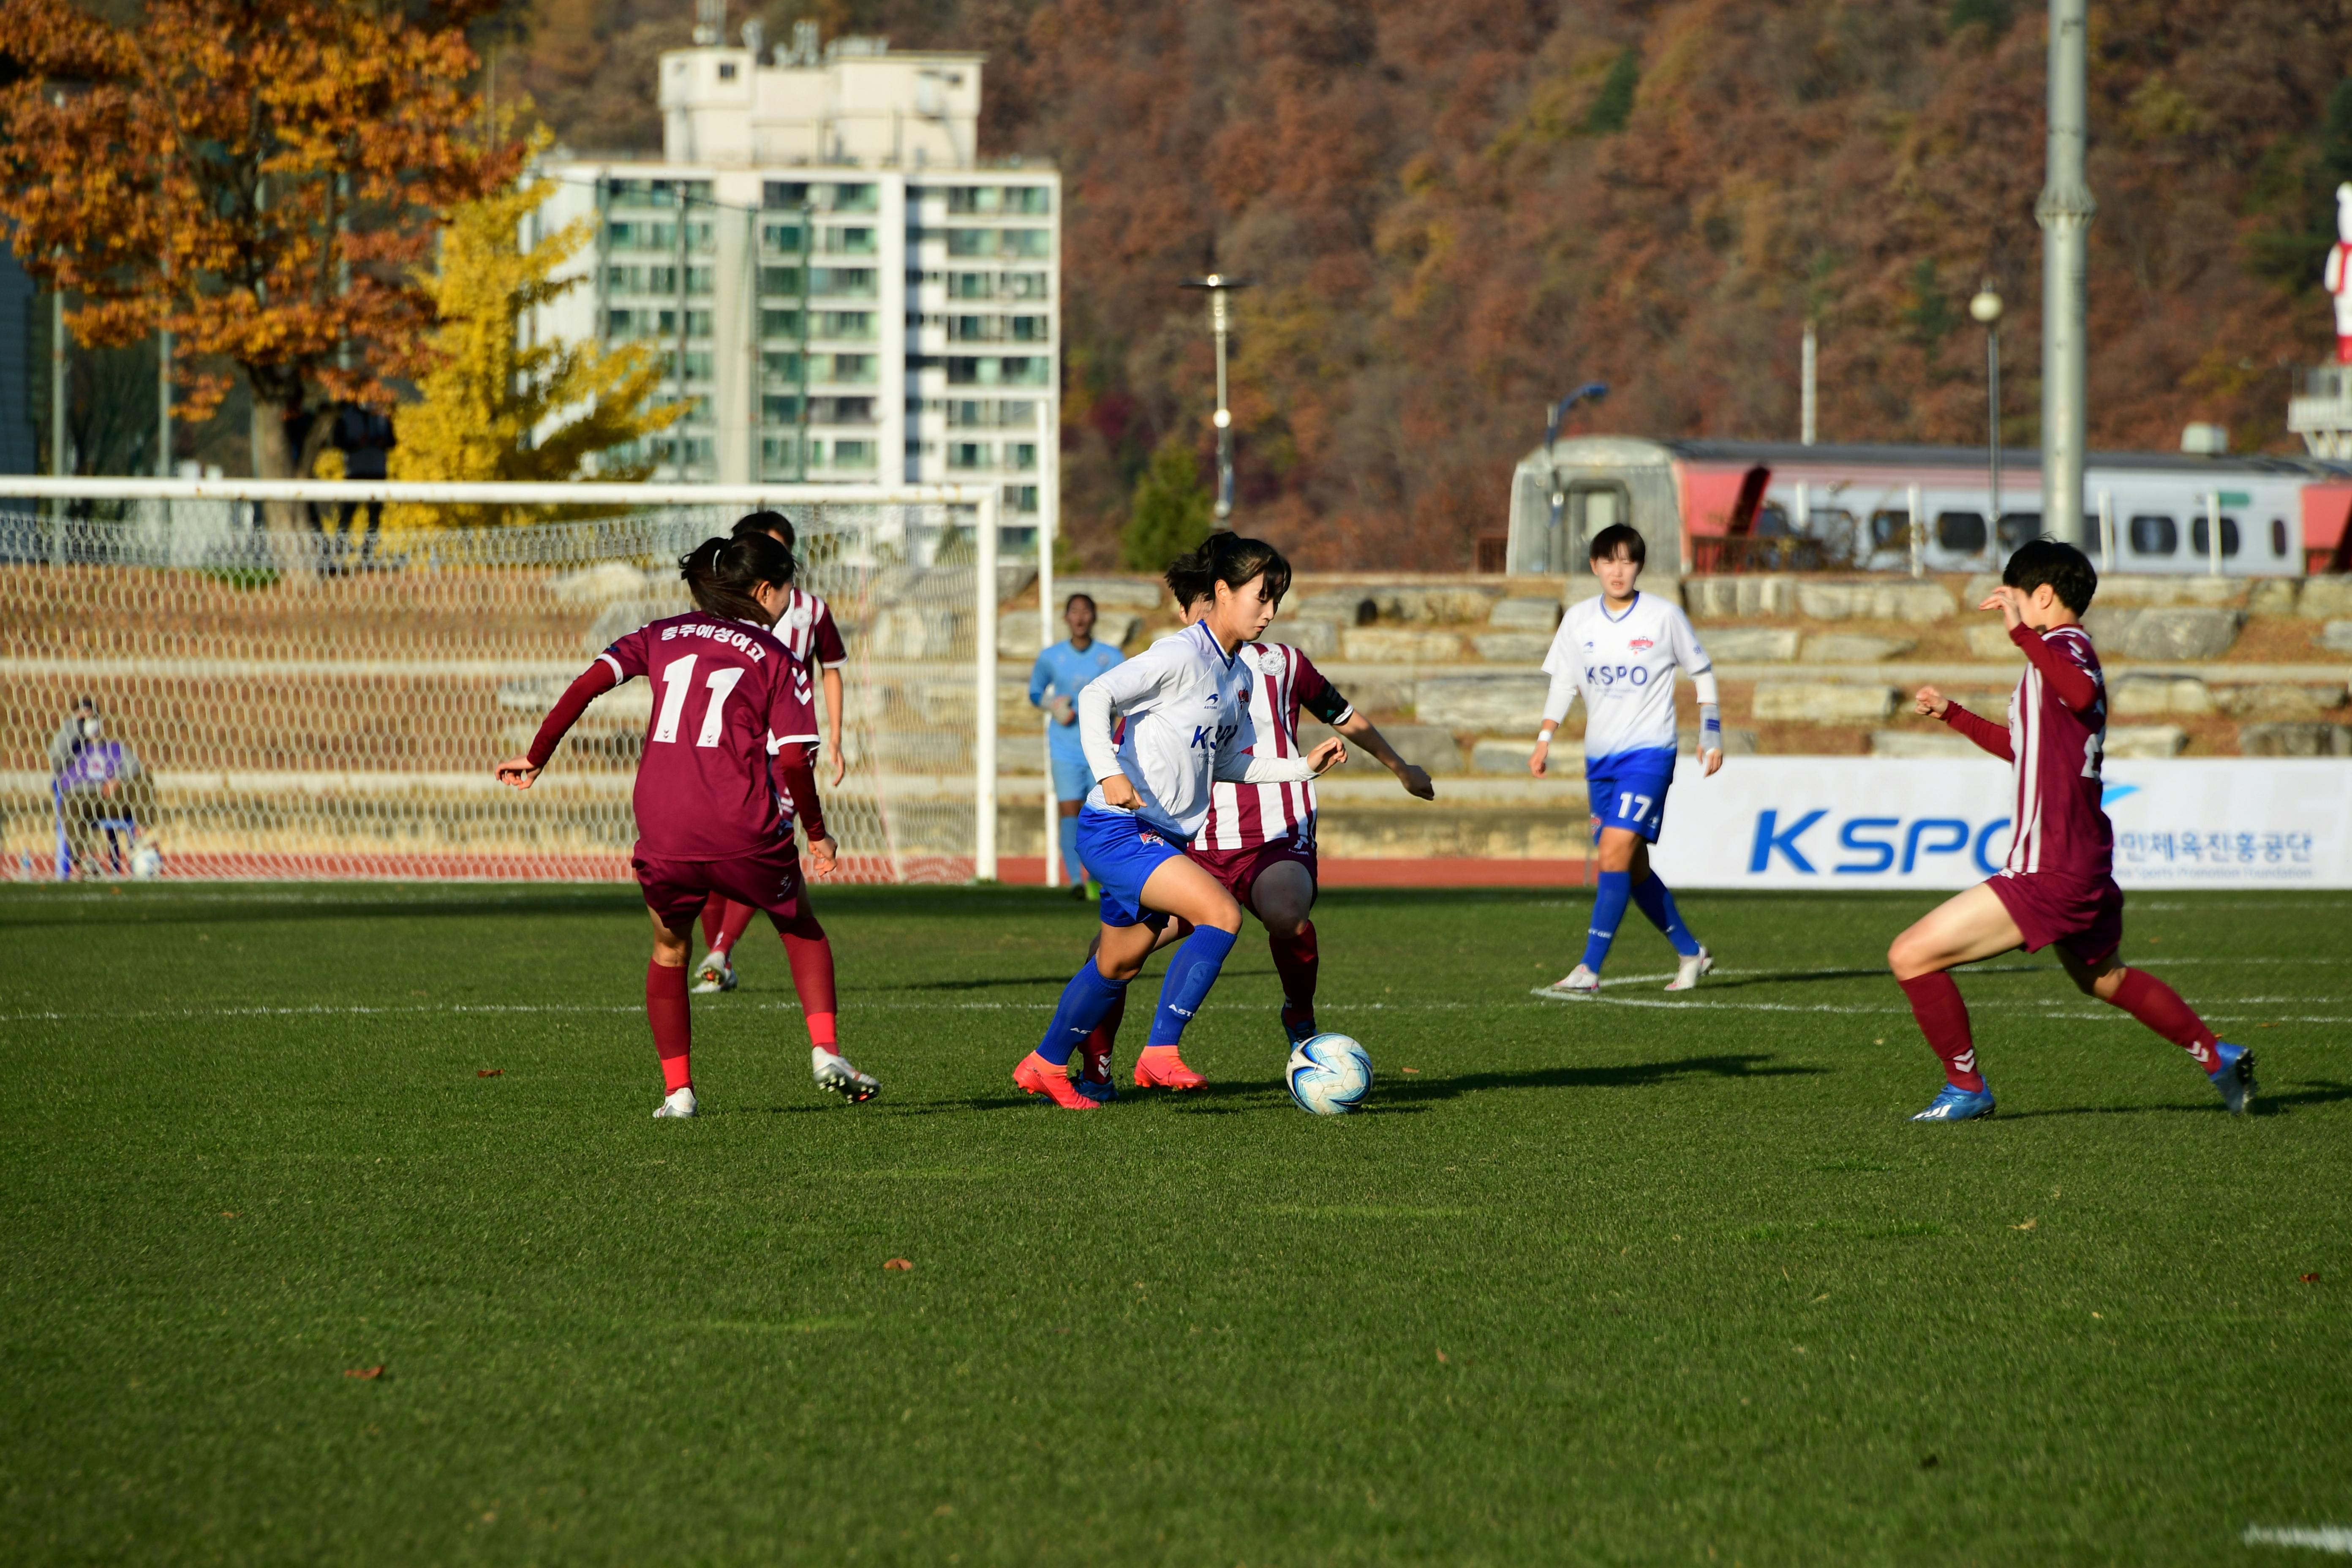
[1218, 286]
[1590, 391]
[2064, 212]
[1986, 308]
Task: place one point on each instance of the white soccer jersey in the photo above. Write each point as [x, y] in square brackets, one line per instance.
[1186, 702]
[807, 627]
[1624, 667]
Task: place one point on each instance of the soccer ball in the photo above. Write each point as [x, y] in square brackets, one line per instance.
[146, 862]
[1329, 1075]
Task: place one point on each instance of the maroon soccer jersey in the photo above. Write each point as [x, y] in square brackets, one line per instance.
[1244, 816]
[807, 628]
[2057, 725]
[728, 697]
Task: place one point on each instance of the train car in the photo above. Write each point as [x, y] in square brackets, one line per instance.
[1734, 506]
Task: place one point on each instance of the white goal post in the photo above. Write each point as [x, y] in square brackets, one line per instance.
[325, 697]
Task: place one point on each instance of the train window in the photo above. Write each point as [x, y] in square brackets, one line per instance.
[2200, 544]
[2017, 526]
[1890, 530]
[2154, 536]
[2278, 536]
[1960, 531]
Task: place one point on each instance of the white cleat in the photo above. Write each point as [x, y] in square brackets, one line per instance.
[1579, 985]
[835, 1074]
[717, 972]
[678, 1104]
[1686, 975]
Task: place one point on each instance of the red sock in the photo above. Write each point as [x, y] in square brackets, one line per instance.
[737, 921]
[810, 952]
[1096, 1053]
[714, 913]
[666, 1010]
[1944, 1019]
[2159, 1007]
[1296, 959]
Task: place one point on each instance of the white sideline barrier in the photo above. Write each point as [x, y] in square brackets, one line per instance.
[1824, 822]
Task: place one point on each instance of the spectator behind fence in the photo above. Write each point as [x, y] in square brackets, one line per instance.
[365, 438]
[100, 789]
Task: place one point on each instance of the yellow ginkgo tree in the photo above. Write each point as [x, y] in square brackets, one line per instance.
[494, 409]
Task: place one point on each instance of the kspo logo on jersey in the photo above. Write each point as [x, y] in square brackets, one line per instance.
[1869, 845]
[1621, 674]
[1203, 737]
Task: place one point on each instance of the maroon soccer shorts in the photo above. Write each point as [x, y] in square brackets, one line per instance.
[2083, 915]
[1239, 870]
[767, 879]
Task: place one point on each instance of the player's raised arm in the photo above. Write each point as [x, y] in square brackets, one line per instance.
[591, 683]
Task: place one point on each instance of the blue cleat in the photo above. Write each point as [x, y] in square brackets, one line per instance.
[1957, 1104]
[1298, 1034]
[2235, 1077]
[1102, 1091]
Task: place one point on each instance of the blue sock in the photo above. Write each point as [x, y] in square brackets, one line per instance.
[1190, 974]
[1608, 909]
[1071, 868]
[1084, 1002]
[1658, 903]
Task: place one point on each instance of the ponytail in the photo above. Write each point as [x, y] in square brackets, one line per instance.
[721, 574]
[1230, 558]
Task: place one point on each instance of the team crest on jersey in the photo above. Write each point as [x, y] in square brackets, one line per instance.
[1270, 662]
[1641, 645]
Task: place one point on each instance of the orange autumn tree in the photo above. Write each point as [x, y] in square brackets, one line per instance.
[260, 177]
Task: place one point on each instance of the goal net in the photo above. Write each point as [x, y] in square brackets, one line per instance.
[329, 702]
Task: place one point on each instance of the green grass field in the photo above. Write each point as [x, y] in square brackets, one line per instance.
[1602, 1283]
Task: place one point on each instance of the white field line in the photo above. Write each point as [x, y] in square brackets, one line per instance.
[2335, 1537]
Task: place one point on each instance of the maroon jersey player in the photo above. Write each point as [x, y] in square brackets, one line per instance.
[728, 765]
[1259, 840]
[2058, 887]
[809, 633]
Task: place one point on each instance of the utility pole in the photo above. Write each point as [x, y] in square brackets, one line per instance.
[2064, 212]
[1986, 308]
[808, 260]
[1218, 286]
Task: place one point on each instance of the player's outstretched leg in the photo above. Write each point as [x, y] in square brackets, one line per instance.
[670, 1015]
[1656, 901]
[1282, 895]
[810, 952]
[1963, 928]
[2229, 1068]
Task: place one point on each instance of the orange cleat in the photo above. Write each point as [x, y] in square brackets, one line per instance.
[1161, 1067]
[1039, 1076]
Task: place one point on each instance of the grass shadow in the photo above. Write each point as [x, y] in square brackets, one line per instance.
[2325, 1091]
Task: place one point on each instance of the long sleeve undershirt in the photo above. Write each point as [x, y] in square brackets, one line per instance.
[2068, 681]
[1992, 737]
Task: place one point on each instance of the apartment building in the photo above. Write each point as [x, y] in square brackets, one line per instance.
[840, 285]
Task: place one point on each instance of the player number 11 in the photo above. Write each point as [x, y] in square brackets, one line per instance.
[678, 679]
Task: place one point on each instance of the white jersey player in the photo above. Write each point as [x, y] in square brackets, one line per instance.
[1620, 652]
[1184, 699]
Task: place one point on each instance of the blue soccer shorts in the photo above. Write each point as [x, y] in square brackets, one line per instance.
[1629, 792]
[1121, 851]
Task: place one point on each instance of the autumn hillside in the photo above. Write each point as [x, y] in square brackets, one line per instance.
[1457, 210]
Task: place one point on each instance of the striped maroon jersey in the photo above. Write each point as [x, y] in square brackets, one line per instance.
[2060, 827]
[807, 628]
[1245, 816]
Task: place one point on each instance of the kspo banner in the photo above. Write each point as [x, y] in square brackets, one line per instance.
[1829, 822]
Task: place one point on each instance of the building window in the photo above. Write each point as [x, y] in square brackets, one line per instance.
[779, 194]
[779, 408]
[971, 285]
[852, 453]
[2278, 536]
[856, 198]
[845, 241]
[783, 366]
[697, 367]
[1031, 328]
[2153, 535]
[972, 242]
[784, 238]
[857, 282]
[973, 198]
[851, 368]
[1022, 286]
[1032, 199]
[845, 324]
[1021, 456]
[1026, 371]
[780, 279]
[969, 455]
[726, 70]
[780, 323]
[1021, 498]
[1029, 242]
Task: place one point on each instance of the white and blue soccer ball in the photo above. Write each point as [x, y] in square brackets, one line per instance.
[146, 862]
[1329, 1075]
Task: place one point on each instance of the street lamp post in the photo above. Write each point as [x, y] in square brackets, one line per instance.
[1986, 308]
[1217, 287]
